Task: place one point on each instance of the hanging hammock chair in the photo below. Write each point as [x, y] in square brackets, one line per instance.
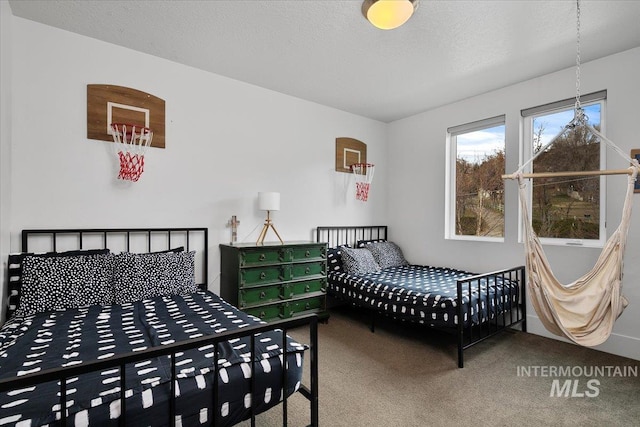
[585, 310]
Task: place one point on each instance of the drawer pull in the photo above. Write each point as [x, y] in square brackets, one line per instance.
[307, 306]
[262, 257]
[263, 275]
[307, 270]
[262, 295]
[307, 254]
[307, 288]
[262, 314]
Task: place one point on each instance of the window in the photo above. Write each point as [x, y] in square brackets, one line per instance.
[475, 188]
[566, 210]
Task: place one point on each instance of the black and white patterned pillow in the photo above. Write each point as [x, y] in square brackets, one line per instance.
[334, 259]
[364, 243]
[143, 276]
[387, 254]
[14, 269]
[58, 283]
[358, 261]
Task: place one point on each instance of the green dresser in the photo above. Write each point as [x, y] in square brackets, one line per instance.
[275, 281]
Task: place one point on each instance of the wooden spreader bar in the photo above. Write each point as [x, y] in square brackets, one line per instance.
[570, 173]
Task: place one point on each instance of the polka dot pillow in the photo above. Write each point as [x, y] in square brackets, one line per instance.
[365, 243]
[358, 261]
[59, 283]
[143, 276]
[14, 269]
[387, 254]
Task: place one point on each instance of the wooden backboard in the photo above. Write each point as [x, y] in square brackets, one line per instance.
[108, 104]
[348, 152]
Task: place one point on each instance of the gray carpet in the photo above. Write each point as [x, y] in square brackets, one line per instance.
[402, 375]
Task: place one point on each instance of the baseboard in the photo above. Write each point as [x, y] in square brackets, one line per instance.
[620, 345]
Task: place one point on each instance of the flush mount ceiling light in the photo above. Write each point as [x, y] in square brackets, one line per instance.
[388, 14]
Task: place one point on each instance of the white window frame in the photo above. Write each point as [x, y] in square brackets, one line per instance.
[450, 178]
[526, 149]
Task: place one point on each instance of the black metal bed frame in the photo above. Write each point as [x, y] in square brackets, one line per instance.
[467, 333]
[121, 360]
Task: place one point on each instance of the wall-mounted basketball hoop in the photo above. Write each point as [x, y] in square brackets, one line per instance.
[131, 142]
[108, 104]
[363, 173]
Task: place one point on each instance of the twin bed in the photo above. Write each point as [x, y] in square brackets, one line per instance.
[107, 310]
[366, 270]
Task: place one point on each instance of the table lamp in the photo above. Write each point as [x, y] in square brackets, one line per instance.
[268, 201]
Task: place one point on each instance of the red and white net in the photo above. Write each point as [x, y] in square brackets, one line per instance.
[363, 173]
[131, 143]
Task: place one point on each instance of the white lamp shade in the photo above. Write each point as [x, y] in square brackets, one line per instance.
[269, 201]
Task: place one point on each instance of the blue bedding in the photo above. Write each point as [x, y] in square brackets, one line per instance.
[63, 338]
[424, 294]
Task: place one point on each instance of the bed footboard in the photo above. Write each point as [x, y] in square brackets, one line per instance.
[63, 375]
[488, 304]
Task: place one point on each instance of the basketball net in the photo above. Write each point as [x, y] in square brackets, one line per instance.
[363, 173]
[132, 142]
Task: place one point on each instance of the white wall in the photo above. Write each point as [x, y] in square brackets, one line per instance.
[416, 188]
[225, 142]
[5, 142]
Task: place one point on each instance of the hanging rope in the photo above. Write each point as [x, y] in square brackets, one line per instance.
[570, 125]
[578, 107]
[579, 117]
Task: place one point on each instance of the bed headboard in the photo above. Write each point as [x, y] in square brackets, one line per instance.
[140, 240]
[349, 234]
[137, 240]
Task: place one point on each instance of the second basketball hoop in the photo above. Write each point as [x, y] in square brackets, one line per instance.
[131, 142]
[363, 173]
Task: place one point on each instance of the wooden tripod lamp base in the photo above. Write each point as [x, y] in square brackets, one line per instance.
[268, 201]
[265, 228]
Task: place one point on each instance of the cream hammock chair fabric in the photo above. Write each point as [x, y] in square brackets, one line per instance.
[586, 309]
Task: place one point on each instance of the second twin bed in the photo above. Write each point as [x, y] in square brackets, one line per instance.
[367, 270]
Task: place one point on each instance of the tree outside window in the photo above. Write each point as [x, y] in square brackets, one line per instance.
[479, 187]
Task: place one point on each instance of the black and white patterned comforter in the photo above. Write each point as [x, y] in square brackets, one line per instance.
[63, 338]
[422, 294]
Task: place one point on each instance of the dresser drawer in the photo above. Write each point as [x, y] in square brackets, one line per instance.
[304, 253]
[259, 295]
[263, 275]
[266, 312]
[290, 308]
[302, 270]
[299, 289]
[262, 256]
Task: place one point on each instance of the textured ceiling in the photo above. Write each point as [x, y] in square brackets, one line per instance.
[325, 51]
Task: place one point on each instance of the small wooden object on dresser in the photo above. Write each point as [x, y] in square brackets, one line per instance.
[275, 281]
